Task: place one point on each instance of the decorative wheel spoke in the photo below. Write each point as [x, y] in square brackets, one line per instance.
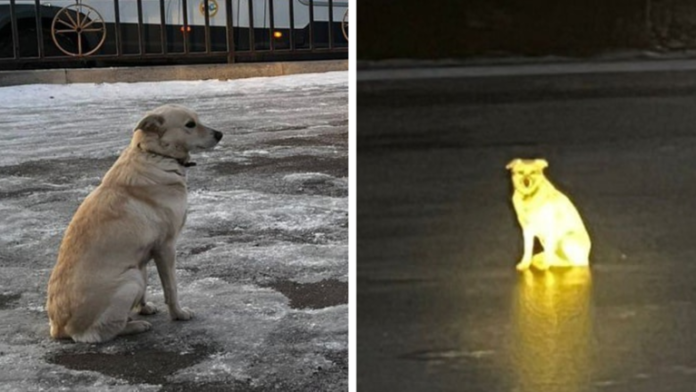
[74, 24]
[66, 24]
[344, 25]
[83, 21]
[86, 25]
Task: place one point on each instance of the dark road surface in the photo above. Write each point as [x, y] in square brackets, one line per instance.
[440, 304]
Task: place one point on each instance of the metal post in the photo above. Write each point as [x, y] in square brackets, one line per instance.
[230, 31]
[311, 24]
[39, 29]
[141, 41]
[252, 44]
[15, 33]
[272, 25]
[186, 26]
[292, 24]
[330, 24]
[163, 29]
[207, 25]
[117, 27]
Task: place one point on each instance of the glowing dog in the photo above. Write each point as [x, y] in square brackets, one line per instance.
[547, 214]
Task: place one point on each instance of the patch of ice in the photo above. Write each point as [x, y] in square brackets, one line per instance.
[307, 177]
[255, 153]
[23, 227]
[229, 365]
[207, 284]
[226, 211]
[307, 263]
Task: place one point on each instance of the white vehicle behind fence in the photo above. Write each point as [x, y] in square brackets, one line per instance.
[108, 28]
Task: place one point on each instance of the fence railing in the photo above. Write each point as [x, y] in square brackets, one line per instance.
[36, 33]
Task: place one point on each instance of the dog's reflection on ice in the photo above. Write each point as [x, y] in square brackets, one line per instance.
[551, 333]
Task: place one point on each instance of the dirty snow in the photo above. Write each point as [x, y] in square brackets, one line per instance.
[267, 208]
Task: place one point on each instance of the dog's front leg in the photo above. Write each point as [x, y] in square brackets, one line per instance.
[528, 236]
[165, 260]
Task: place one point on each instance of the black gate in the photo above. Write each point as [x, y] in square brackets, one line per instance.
[69, 33]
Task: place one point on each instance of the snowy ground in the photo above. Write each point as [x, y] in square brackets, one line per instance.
[262, 259]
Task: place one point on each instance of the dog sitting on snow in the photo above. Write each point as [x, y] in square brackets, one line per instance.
[135, 215]
[547, 214]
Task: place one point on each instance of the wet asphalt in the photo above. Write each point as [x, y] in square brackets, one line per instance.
[440, 304]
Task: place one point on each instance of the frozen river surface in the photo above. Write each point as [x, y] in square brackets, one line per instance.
[440, 304]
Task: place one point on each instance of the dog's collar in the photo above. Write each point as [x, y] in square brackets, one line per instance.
[181, 162]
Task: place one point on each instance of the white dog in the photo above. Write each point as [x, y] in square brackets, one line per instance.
[547, 214]
[133, 216]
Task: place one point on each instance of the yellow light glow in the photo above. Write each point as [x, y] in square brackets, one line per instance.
[545, 213]
[277, 34]
[552, 337]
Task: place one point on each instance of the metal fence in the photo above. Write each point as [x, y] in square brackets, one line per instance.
[36, 33]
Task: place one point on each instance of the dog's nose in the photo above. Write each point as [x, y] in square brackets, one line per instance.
[218, 135]
[526, 182]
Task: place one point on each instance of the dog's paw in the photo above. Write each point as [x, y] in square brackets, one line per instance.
[182, 314]
[523, 265]
[541, 265]
[148, 309]
[140, 325]
[137, 326]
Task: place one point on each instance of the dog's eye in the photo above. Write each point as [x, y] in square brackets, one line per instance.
[191, 124]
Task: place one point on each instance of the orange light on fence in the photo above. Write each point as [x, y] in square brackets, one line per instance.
[277, 34]
[186, 29]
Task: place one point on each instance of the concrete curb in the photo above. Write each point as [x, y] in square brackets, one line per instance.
[163, 73]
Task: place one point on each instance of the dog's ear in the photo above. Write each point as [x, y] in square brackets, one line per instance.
[152, 123]
[541, 163]
[512, 163]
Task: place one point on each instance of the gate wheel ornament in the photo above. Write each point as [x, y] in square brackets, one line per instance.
[344, 25]
[212, 8]
[78, 21]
